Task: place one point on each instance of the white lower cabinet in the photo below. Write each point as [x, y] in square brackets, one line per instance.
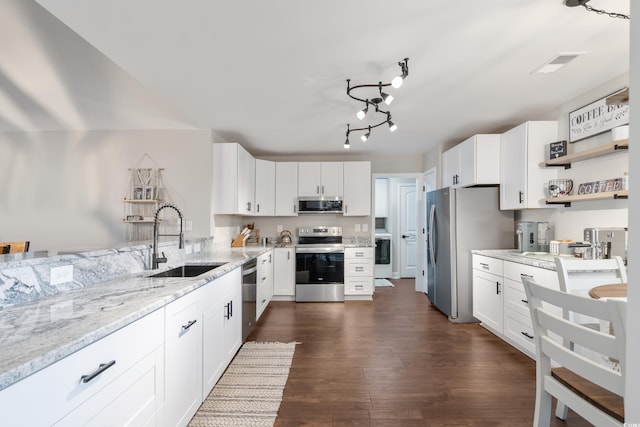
[500, 302]
[154, 372]
[358, 272]
[183, 358]
[284, 272]
[264, 288]
[222, 327]
[118, 380]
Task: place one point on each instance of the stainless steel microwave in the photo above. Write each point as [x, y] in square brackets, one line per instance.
[319, 205]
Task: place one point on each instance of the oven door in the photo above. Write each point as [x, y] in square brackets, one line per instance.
[319, 274]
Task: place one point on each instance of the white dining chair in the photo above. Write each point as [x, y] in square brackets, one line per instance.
[578, 276]
[591, 389]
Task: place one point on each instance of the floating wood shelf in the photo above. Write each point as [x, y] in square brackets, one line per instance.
[142, 200]
[620, 98]
[566, 161]
[566, 200]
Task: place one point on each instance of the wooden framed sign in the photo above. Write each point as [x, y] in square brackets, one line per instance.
[596, 118]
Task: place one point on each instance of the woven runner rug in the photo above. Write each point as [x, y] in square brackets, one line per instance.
[250, 391]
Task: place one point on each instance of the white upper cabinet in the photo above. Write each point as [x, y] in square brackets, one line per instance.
[475, 161]
[357, 188]
[286, 189]
[522, 180]
[382, 198]
[316, 179]
[233, 179]
[265, 188]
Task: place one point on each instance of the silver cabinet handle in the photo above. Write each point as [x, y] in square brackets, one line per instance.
[257, 207]
[359, 268]
[497, 288]
[101, 368]
[264, 300]
[323, 189]
[484, 266]
[317, 189]
[527, 335]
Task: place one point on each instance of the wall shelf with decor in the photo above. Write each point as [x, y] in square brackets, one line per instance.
[566, 161]
[139, 207]
[567, 200]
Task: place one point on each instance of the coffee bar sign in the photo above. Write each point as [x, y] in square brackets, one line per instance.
[596, 118]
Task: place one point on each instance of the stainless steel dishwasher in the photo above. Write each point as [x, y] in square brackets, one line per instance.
[249, 281]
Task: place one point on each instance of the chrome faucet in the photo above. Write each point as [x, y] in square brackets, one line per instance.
[155, 259]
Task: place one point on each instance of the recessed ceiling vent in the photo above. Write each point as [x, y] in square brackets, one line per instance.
[557, 62]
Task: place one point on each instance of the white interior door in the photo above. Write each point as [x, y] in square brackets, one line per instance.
[408, 229]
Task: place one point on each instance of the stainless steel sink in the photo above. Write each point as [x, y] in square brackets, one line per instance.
[189, 270]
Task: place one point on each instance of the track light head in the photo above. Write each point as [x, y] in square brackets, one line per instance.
[346, 144]
[366, 135]
[397, 81]
[362, 113]
[392, 126]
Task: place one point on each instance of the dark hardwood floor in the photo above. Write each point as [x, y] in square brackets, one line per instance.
[397, 361]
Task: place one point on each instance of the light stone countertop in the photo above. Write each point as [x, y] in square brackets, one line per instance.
[38, 334]
[535, 259]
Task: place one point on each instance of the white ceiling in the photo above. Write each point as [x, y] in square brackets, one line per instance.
[272, 74]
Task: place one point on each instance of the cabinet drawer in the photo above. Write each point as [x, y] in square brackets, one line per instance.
[60, 388]
[515, 271]
[262, 299]
[515, 297]
[358, 268]
[358, 286]
[487, 264]
[358, 253]
[518, 329]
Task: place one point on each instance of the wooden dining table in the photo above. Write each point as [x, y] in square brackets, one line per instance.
[614, 290]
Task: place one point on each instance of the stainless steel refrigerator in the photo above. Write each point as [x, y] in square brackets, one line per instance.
[458, 221]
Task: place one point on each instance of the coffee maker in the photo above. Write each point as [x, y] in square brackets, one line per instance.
[534, 236]
[605, 242]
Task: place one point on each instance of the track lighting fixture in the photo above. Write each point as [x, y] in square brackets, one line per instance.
[583, 3]
[376, 101]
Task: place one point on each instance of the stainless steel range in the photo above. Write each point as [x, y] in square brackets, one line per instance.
[319, 264]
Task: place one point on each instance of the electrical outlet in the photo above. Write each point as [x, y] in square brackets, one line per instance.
[279, 228]
[365, 227]
[58, 275]
[196, 247]
[188, 249]
[357, 228]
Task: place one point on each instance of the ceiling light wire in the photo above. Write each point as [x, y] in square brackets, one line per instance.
[583, 3]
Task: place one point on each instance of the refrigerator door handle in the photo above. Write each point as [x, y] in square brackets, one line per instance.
[432, 220]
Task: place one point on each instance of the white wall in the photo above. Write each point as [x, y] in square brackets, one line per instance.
[64, 190]
[570, 222]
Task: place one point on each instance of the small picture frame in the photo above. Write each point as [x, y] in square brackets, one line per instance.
[138, 193]
[149, 193]
[557, 149]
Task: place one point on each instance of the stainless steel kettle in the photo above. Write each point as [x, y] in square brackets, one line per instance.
[285, 237]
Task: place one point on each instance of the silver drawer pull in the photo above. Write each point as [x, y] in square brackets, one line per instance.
[359, 286]
[359, 268]
[101, 368]
[525, 275]
[484, 265]
[264, 300]
[361, 254]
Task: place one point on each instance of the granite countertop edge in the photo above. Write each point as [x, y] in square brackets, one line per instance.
[545, 261]
[97, 311]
